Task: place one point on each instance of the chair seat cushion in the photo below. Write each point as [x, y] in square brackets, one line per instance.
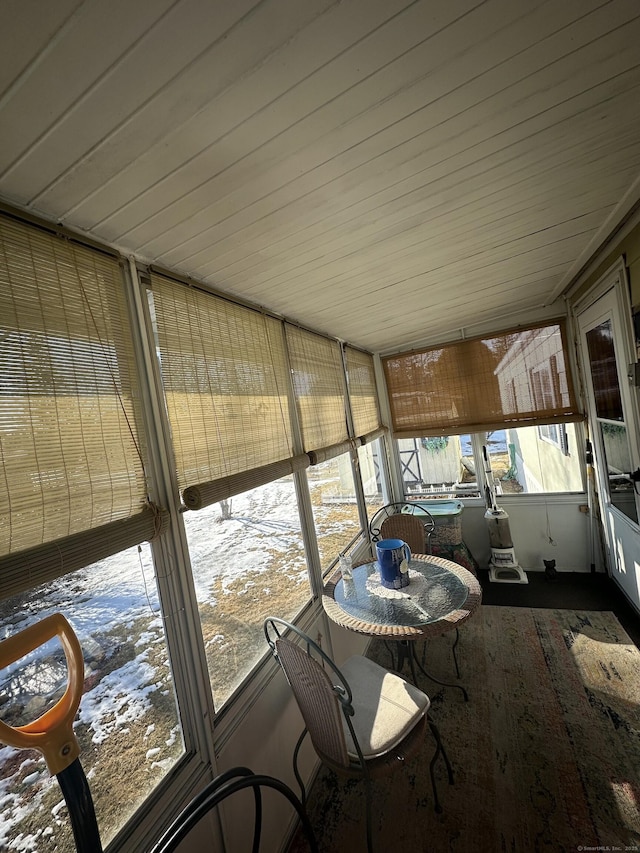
[386, 707]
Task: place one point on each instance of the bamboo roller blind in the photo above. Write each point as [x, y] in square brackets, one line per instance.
[363, 394]
[68, 399]
[226, 381]
[28, 569]
[515, 378]
[318, 385]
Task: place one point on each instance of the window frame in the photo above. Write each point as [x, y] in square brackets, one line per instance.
[172, 565]
[559, 440]
[477, 440]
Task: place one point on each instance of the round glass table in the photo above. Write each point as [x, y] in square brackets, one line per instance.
[441, 595]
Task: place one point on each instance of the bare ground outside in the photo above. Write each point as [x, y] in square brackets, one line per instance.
[122, 771]
[234, 642]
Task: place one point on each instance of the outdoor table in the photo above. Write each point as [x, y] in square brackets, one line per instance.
[441, 596]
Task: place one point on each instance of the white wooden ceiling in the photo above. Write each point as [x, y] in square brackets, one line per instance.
[383, 170]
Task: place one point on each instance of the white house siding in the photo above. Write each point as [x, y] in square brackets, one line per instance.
[542, 466]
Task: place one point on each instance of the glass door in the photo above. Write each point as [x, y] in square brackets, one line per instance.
[607, 350]
[610, 419]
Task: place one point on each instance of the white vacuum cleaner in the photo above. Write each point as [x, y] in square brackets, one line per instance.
[503, 566]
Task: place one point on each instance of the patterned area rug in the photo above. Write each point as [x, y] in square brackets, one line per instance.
[546, 753]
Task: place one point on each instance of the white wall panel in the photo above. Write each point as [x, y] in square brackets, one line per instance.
[532, 520]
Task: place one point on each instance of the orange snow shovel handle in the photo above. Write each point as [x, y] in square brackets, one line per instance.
[52, 733]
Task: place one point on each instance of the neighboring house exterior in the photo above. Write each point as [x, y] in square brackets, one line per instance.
[540, 454]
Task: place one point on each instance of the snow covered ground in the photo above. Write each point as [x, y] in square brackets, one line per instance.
[113, 608]
[128, 706]
[233, 548]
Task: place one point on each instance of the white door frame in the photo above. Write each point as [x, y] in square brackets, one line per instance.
[621, 533]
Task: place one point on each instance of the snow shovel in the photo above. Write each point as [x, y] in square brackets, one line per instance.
[52, 733]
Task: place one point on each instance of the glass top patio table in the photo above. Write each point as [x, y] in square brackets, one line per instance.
[441, 595]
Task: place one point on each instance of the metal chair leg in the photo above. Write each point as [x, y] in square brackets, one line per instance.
[439, 749]
[453, 649]
[439, 681]
[303, 793]
[390, 650]
[367, 784]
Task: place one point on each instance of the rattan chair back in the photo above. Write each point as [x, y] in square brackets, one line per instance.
[404, 509]
[409, 528]
[318, 701]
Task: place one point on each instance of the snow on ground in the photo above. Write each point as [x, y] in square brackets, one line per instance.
[232, 548]
[124, 692]
[104, 603]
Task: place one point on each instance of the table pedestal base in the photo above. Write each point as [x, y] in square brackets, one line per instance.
[407, 652]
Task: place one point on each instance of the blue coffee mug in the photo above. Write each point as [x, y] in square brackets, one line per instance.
[394, 557]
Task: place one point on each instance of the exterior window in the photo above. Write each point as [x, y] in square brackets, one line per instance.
[555, 434]
[127, 726]
[539, 459]
[335, 508]
[248, 562]
[541, 388]
[438, 467]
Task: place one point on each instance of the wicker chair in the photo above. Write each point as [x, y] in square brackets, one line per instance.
[217, 790]
[409, 528]
[363, 720]
[398, 516]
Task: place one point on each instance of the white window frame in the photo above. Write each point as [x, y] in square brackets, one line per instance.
[556, 435]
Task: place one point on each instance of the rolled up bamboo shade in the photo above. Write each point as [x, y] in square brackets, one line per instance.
[324, 454]
[44, 563]
[363, 394]
[319, 388]
[226, 382]
[204, 494]
[518, 378]
[69, 398]
[371, 436]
